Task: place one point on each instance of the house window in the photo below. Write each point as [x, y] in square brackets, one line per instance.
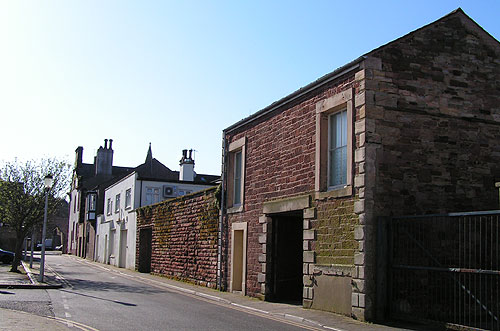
[334, 144]
[128, 198]
[236, 175]
[117, 203]
[91, 206]
[92, 202]
[109, 207]
[337, 149]
[237, 179]
[152, 195]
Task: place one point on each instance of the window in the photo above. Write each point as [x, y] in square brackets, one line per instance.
[92, 202]
[237, 179]
[91, 206]
[117, 203]
[236, 175]
[334, 144]
[109, 207]
[152, 195]
[337, 149]
[128, 198]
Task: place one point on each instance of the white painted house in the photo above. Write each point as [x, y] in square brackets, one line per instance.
[149, 183]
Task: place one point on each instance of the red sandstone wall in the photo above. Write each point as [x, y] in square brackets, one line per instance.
[436, 118]
[279, 163]
[184, 237]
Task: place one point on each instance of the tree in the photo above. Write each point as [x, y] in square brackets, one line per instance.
[22, 196]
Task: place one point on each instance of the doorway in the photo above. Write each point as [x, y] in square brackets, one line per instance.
[106, 260]
[145, 237]
[286, 282]
[122, 258]
[238, 257]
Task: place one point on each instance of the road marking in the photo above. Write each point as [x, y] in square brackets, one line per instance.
[250, 308]
[69, 323]
[59, 276]
[68, 315]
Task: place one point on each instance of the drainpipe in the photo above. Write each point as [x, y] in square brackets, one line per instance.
[220, 261]
[497, 184]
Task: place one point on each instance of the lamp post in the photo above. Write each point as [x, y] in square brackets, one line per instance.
[48, 180]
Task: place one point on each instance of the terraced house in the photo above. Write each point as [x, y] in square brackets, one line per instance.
[412, 127]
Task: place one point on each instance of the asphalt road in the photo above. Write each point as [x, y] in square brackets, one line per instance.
[109, 301]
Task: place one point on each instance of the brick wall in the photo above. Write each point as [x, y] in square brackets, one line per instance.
[184, 237]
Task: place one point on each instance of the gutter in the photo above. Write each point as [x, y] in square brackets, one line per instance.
[299, 93]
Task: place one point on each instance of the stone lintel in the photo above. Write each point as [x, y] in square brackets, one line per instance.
[288, 204]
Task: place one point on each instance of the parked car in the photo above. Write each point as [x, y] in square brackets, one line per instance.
[48, 245]
[6, 256]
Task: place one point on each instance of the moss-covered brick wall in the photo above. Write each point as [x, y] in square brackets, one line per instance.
[184, 237]
[335, 223]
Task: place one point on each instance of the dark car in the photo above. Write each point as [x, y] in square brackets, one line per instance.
[6, 256]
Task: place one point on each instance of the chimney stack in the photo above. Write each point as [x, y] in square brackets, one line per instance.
[187, 166]
[78, 156]
[103, 161]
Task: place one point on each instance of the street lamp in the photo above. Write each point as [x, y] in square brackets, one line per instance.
[48, 180]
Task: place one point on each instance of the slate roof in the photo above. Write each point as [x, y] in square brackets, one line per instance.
[151, 169]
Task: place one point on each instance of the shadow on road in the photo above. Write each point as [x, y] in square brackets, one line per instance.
[94, 297]
[89, 285]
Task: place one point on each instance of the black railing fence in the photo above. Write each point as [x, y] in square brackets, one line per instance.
[445, 268]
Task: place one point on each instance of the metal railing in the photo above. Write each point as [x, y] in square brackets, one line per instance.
[445, 268]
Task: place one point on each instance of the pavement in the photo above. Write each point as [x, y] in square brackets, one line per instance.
[16, 320]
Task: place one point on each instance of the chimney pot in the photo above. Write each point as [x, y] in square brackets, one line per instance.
[110, 143]
[105, 143]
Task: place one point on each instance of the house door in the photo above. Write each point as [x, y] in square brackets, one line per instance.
[105, 258]
[238, 257]
[286, 279]
[145, 237]
[112, 247]
[96, 249]
[123, 249]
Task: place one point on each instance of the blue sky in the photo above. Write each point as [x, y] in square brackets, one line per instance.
[176, 73]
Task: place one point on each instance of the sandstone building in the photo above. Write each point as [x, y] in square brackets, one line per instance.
[412, 127]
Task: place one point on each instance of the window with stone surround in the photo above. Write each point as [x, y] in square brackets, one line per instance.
[337, 149]
[334, 144]
[236, 175]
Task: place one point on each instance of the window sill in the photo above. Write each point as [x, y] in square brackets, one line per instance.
[237, 209]
[335, 193]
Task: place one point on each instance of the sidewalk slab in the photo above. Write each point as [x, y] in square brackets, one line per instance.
[27, 278]
[17, 320]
